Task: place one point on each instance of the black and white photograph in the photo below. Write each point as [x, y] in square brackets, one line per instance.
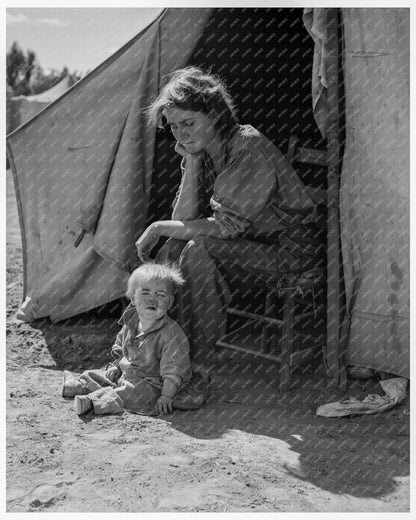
[207, 225]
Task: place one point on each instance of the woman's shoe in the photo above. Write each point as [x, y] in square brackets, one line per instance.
[360, 372]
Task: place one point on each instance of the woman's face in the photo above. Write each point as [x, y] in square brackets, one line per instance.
[195, 131]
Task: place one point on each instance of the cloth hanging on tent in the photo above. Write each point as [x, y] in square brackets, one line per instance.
[395, 392]
[315, 21]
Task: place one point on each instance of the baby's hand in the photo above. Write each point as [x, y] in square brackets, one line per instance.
[164, 405]
[113, 373]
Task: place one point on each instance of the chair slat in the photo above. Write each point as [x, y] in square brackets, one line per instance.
[307, 282]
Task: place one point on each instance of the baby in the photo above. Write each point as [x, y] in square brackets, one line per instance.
[151, 373]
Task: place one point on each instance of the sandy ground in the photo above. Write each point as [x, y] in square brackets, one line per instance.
[250, 448]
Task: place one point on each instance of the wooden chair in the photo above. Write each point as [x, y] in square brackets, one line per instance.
[294, 291]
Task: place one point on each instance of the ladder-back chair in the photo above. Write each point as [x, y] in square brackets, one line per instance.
[295, 291]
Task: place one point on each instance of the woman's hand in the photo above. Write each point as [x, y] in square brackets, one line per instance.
[147, 241]
[180, 149]
[163, 405]
[191, 157]
[186, 205]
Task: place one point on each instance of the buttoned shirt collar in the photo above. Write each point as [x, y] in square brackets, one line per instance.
[131, 320]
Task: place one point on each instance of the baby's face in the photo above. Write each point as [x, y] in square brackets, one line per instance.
[152, 299]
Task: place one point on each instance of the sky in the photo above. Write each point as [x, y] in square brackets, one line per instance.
[78, 38]
[83, 37]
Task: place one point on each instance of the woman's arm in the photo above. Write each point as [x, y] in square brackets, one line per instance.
[182, 230]
[187, 203]
[187, 229]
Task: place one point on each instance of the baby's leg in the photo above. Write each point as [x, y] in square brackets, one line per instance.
[96, 379]
[87, 382]
[104, 401]
[139, 398]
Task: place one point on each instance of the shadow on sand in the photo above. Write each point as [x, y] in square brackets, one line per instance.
[360, 455]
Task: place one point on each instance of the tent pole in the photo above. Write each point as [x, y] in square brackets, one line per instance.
[333, 237]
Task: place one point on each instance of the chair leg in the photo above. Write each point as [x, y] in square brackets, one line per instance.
[287, 339]
[268, 311]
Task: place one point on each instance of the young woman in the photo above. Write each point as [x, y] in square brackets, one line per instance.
[241, 210]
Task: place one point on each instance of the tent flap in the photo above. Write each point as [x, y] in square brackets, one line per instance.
[375, 188]
[84, 164]
[316, 23]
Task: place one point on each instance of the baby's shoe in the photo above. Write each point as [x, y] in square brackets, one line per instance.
[72, 386]
[196, 393]
[82, 404]
[202, 382]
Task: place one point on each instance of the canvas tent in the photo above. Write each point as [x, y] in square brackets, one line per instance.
[374, 192]
[90, 174]
[20, 109]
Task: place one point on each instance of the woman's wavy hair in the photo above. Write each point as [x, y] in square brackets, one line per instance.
[193, 89]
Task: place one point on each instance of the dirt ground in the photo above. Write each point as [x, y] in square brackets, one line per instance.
[249, 449]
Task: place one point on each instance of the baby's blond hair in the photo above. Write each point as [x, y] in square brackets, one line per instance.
[151, 271]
